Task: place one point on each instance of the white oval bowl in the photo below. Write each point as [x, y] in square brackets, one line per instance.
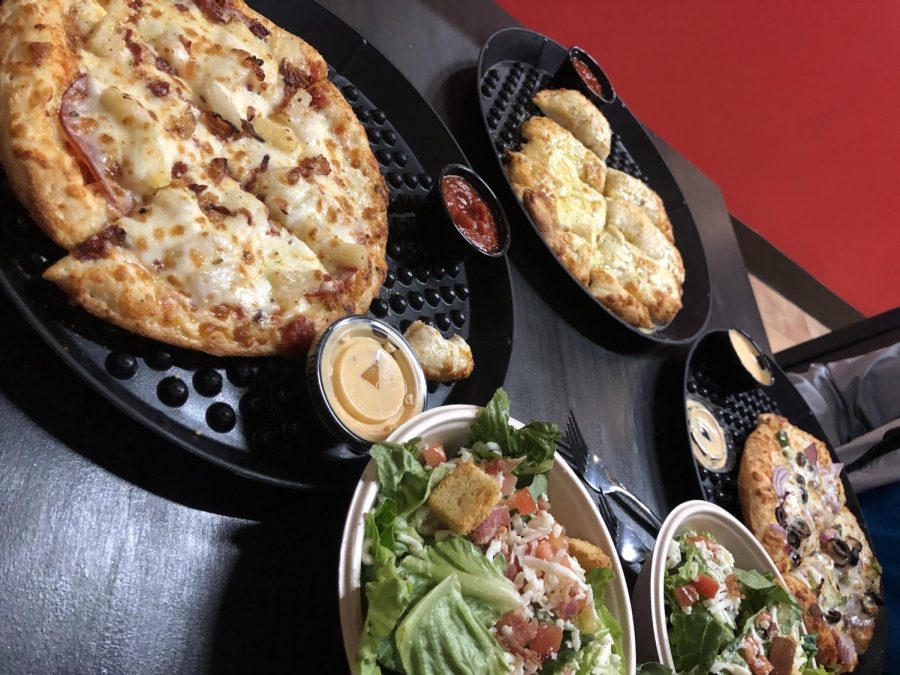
[572, 506]
[649, 604]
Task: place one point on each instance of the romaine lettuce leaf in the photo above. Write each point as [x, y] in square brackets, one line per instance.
[761, 591]
[696, 639]
[441, 634]
[402, 477]
[487, 591]
[535, 442]
[387, 596]
[605, 622]
[598, 658]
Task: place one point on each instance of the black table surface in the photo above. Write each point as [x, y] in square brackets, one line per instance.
[120, 553]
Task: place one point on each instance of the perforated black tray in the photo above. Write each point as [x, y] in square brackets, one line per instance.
[517, 63]
[253, 416]
[738, 409]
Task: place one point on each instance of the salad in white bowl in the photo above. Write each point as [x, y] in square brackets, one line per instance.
[465, 569]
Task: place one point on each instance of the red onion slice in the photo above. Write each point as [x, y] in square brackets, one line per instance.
[812, 456]
[780, 477]
[87, 150]
[846, 650]
[778, 530]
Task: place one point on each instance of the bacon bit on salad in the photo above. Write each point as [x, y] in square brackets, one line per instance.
[432, 455]
[571, 608]
[733, 586]
[686, 595]
[547, 639]
[484, 532]
[706, 586]
[756, 661]
[523, 502]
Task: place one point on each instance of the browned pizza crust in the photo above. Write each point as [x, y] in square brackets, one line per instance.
[37, 67]
[330, 203]
[762, 454]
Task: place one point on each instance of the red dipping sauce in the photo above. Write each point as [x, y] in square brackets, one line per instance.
[470, 213]
[587, 76]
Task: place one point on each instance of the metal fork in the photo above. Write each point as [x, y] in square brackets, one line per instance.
[630, 548]
[595, 472]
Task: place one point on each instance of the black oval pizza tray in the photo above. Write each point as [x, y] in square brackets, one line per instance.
[738, 408]
[516, 63]
[253, 415]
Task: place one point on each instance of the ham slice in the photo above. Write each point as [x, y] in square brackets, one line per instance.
[87, 148]
[484, 532]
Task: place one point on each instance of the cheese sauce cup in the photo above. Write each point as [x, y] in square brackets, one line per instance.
[364, 380]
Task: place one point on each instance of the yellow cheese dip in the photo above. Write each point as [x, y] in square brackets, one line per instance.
[751, 357]
[367, 382]
[708, 441]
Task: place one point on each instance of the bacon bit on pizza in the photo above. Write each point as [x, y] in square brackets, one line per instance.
[183, 40]
[250, 131]
[319, 98]
[164, 66]
[196, 188]
[182, 8]
[258, 29]
[179, 169]
[209, 206]
[37, 51]
[308, 167]
[255, 65]
[219, 11]
[294, 76]
[219, 126]
[89, 154]
[218, 169]
[97, 246]
[137, 51]
[158, 87]
[255, 171]
[135, 5]
[247, 257]
[297, 335]
[158, 265]
[185, 124]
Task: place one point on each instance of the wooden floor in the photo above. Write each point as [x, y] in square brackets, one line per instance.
[786, 324]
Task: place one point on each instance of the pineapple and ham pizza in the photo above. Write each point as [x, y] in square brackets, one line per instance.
[212, 188]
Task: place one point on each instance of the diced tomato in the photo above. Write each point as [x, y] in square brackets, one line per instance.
[433, 455]
[706, 586]
[524, 502]
[547, 640]
[686, 595]
[544, 550]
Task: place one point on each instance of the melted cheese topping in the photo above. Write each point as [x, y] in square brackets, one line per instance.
[169, 90]
[841, 587]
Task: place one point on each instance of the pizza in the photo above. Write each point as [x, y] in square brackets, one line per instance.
[607, 228]
[793, 500]
[212, 188]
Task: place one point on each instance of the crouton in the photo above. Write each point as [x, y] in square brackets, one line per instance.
[464, 498]
[588, 556]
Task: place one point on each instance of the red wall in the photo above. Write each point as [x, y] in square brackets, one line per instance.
[792, 108]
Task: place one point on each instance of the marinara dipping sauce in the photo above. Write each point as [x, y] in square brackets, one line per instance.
[470, 213]
[589, 78]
